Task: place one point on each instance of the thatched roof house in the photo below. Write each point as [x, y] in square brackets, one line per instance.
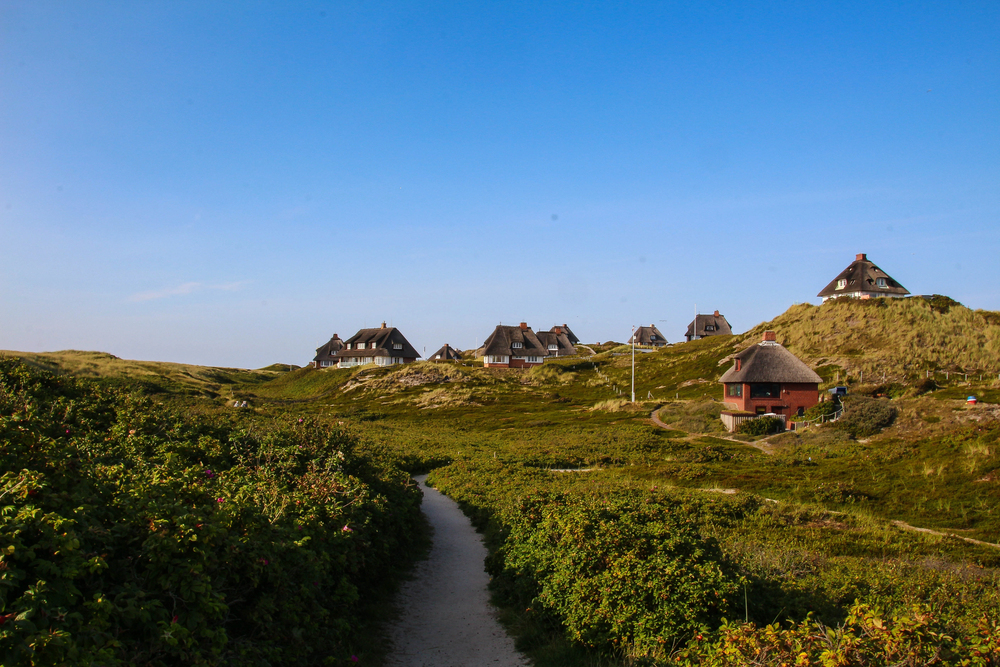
[648, 336]
[862, 280]
[564, 329]
[446, 353]
[767, 378]
[708, 325]
[383, 346]
[326, 355]
[512, 347]
[556, 344]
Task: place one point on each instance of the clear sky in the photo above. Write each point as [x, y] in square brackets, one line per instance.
[230, 183]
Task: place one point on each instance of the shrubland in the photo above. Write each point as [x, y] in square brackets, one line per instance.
[613, 540]
[131, 534]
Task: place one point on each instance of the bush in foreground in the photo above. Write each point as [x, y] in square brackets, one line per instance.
[132, 536]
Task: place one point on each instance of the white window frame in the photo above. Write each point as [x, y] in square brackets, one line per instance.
[842, 283]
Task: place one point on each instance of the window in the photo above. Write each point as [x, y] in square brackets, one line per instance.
[800, 412]
[734, 389]
[765, 390]
[739, 364]
[880, 282]
[842, 283]
[652, 336]
[553, 346]
[709, 327]
[348, 346]
[437, 356]
[397, 346]
[533, 360]
[516, 346]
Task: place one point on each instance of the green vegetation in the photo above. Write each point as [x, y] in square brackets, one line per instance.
[133, 535]
[681, 544]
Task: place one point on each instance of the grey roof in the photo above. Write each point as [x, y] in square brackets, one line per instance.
[648, 336]
[562, 328]
[329, 350]
[446, 353]
[862, 275]
[564, 347]
[697, 326]
[769, 362]
[384, 338]
[500, 341]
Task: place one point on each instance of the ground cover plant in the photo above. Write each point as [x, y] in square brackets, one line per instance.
[806, 536]
[133, 535]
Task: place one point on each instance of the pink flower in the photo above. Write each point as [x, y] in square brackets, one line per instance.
[209, 473]
[174, 620]
[220, 500]
[354, 658]
[346, 529]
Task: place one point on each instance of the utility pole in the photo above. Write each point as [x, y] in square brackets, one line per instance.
[633, 363]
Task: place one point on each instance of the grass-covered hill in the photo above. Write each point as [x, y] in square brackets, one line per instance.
[184, 378]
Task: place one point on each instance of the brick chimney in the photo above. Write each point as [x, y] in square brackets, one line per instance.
[769, 337]
[383, 325]
[717, 313]
[524, 326]
[861, 257]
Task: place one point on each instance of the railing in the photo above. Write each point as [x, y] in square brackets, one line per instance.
[822, 419]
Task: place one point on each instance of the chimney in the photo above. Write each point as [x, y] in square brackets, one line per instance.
[717, 313]
[861, 257]
[524, 326]
[558, 330]
[769, 337]
[383, 325]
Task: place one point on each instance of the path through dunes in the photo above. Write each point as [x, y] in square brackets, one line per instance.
[446, 619]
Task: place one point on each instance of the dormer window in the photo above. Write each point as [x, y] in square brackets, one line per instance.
[709, 327]
[553, 346]
[739, 364]
[842, 283]
[881, 282]
[397, 346]
[652, 336]
[517, 346]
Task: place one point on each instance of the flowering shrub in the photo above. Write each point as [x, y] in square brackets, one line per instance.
[132, 536]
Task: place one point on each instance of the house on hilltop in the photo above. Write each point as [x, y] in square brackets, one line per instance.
[384, 346]
[446, 353]
[557, 343]
[564, 329]
[649, 336]
[708, 325]
[767, 378]
[512, 347]
[326, 355]
[862, 280]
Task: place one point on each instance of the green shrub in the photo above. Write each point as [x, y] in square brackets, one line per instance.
[761, 426]
[129, 535]
[865, 417]
[824, 409]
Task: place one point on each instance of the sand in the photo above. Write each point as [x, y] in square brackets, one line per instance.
[446, 619]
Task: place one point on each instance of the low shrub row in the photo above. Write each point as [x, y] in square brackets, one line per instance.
[130, 535]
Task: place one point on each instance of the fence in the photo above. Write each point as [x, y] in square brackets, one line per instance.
[732, 420]
[796, 425]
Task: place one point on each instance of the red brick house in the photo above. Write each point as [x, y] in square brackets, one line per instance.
[512, 347]
[767, 378]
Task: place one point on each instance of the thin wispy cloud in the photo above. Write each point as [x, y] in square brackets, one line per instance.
[184, 289]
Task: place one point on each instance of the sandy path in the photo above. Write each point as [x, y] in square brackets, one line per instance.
[446, 619]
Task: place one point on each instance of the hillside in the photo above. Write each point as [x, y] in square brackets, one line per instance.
[167, 376]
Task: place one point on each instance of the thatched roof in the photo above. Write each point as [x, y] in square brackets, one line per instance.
[648, 336]
[384, 338]
[500, 342]
[328, 350]
[769, 361]
[562, 328]
[698, 326]
[446, 353]
[564, 347]
[863, 276]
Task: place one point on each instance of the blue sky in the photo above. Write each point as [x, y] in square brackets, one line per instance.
[231, 183]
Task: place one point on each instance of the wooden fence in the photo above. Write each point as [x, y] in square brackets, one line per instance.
[733, 419]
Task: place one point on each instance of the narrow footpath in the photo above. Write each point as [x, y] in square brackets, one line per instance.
[446, 619]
